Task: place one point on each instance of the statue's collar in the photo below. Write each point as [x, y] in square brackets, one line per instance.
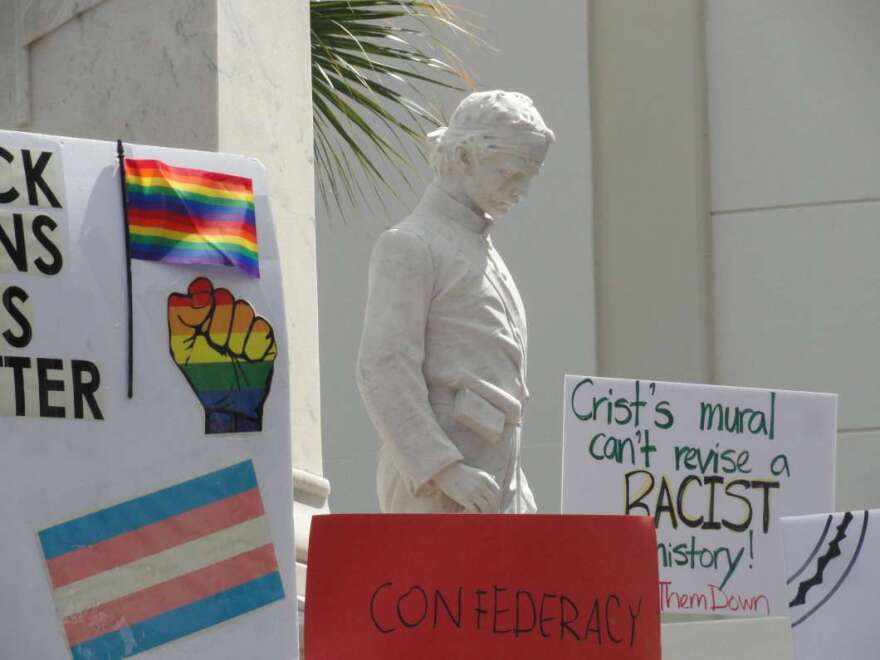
[437, 201]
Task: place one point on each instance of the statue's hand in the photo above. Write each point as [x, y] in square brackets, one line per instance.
[474, 489]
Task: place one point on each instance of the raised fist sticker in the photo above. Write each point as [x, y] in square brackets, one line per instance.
[226, 352]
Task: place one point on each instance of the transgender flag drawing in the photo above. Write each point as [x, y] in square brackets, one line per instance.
[135, 575]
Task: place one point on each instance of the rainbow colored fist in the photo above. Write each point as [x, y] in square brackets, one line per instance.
[226, 352]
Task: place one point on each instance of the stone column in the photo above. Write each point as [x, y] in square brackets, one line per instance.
[649, 111]
[219, 75]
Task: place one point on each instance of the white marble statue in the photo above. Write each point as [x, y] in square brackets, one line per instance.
[442, 363]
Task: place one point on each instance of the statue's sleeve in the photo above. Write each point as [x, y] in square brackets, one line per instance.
[392, 350]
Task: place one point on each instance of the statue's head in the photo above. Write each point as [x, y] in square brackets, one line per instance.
[493, 147]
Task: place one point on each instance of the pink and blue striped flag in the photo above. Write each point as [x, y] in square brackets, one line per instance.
[142, 573]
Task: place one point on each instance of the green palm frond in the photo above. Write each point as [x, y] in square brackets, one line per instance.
[371, 60]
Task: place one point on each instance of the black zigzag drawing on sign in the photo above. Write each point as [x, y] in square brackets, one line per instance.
[833, 553]
[815, 551]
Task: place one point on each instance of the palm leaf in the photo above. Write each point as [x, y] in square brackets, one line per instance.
[373, 62]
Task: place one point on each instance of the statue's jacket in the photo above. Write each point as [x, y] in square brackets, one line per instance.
[443, 315]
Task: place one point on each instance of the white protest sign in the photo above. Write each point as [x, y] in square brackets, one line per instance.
[832, 580]
[714, 466]
[162, 523]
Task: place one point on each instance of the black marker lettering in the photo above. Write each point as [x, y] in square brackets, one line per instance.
[25, 334]
[86, 381]
[33, 174]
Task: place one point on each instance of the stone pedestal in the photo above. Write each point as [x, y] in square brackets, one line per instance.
[218, 75]
[731, 639]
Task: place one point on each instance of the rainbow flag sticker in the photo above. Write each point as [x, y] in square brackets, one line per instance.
[179, 215]
[135, 575]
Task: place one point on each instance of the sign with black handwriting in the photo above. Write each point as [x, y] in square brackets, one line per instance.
[161, 523]
[464, 586]
[713, 468]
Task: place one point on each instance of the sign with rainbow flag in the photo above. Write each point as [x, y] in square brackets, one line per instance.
[182, 215]
[162, 525]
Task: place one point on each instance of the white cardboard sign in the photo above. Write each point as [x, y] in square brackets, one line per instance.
[714, 466]
[832, 580]
[127, 526]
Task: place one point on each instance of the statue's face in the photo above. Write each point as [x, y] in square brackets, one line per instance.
[495, 182]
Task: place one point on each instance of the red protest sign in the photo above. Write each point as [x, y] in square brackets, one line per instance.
[482, 586]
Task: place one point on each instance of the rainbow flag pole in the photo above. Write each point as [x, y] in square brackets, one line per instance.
[182, 215]
[120, 152]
